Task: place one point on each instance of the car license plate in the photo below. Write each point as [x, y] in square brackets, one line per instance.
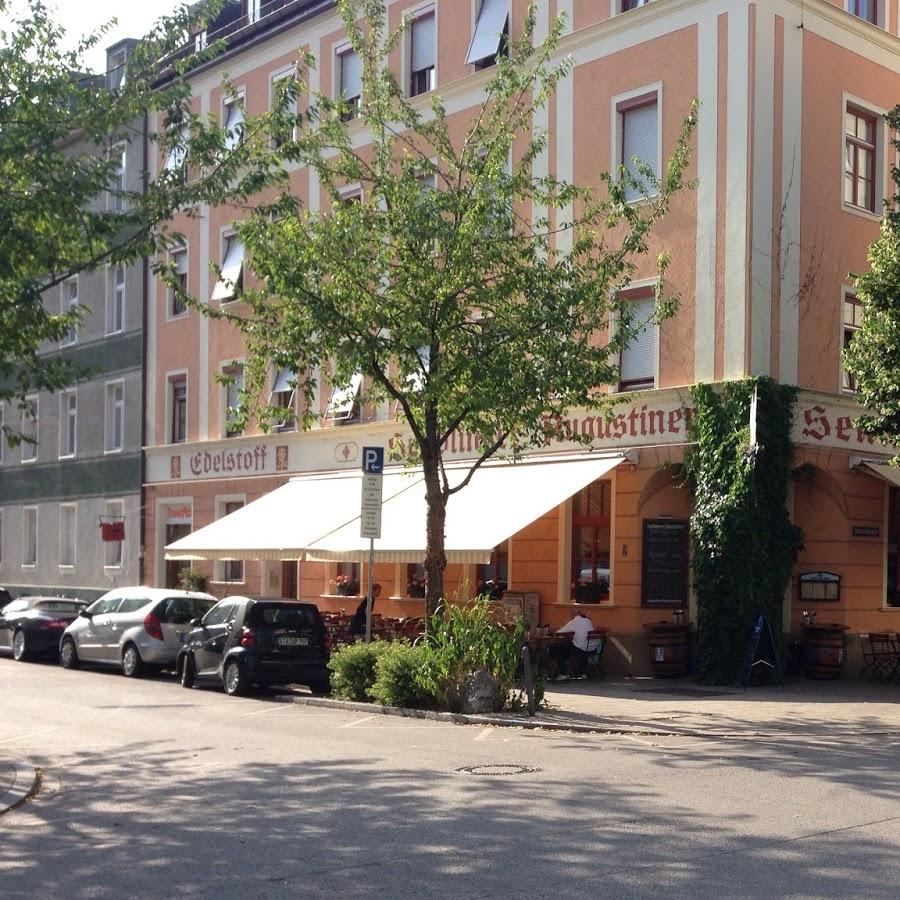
[293, 641]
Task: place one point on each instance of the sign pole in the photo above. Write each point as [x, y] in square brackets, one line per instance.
[371, 581]
[370, 517]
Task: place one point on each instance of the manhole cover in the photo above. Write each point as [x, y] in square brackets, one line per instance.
[498, 769]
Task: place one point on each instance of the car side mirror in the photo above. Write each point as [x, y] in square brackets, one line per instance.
[86, 614]
[195, 622]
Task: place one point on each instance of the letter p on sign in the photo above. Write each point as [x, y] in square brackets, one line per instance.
[373, 460]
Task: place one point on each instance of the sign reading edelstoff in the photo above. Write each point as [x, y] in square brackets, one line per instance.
[370, 507]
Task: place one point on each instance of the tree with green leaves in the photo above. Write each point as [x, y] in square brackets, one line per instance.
[873, 356]
[57, 127]
[472, 291]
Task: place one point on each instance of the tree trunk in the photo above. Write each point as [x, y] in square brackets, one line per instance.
[435, 558]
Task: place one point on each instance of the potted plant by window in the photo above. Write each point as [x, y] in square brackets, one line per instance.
[345, 585]
[415, 587]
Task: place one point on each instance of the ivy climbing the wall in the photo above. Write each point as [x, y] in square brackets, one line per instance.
[744, 543]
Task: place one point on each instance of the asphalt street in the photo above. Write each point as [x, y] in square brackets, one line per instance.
[149, 790]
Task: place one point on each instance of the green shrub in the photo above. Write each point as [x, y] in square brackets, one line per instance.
[397, 670]
[462, 639]
[353, 670]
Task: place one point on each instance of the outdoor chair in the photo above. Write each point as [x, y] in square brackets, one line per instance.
[596, 642]
[881, 656]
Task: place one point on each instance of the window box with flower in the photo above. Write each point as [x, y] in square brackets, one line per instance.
[345, 585]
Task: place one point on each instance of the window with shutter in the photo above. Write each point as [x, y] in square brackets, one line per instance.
[422, 55]
[282, 396]
[342, 406]
[177, 304]
[637, 365]
[350, 73]
[234, 122]
[232, 269]
[489, 37]
[639, 140]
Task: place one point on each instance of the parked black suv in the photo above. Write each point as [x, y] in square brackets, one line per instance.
[244, 641]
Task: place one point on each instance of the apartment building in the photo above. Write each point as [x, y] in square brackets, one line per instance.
[792, 161]
[84, 467]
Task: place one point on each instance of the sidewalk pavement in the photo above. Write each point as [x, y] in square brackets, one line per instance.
[808, 709]
[841, 708]
[17, 781]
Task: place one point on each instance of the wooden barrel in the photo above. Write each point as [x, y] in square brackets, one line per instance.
[823, 651]
[669, 649]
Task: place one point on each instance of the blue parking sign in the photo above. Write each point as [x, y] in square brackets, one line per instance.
[373, 460]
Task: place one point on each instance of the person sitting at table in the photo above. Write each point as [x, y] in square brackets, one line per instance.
[358, 622]
[563, 651]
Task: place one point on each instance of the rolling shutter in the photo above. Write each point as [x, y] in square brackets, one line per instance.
[640, 139]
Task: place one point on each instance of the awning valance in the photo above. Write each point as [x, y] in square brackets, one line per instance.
[317, 516]
[890, 474]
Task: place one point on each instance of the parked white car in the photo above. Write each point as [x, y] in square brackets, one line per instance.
[136, 628]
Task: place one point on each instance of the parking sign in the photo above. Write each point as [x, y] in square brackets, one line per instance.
[370, 505]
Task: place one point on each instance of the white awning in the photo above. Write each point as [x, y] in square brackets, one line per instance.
[488, 30]
[280, 524]
[890, 474]
[232, 269]
[500, 500]
[317, 516]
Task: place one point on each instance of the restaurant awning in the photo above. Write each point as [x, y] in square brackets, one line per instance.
[890, 474]
[317, 516]
[280, 524]
[500, 500]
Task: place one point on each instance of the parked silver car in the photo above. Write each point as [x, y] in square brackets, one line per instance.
[135, 628]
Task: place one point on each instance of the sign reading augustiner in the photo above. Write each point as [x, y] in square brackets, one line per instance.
[652, 419]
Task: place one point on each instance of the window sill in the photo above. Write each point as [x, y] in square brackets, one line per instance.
[572, 604]
[860, 211]
[342, 596]
[112, 452]
[66, 456]
[67, 566]
[113, 568]
[29, 462]
[402, 598]
[114, 333]
[29, 565]
[178, 318]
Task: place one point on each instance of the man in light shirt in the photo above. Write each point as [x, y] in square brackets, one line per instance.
[579, 627]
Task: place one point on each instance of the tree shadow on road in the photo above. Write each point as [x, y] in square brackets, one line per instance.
[142, 820]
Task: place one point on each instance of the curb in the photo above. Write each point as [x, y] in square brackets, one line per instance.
[538, 724]
[24, 784]
[501, 721]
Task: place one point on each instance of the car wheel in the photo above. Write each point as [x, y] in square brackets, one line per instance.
[188, 671]
[132, 664]
[235, 679]
[20, 646]
[320, 687]
[68, 655]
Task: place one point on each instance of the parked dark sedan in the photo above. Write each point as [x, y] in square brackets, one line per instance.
[244, 641]
[5, 597]
[31, 626]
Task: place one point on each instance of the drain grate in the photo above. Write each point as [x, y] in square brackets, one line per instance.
[498, 769]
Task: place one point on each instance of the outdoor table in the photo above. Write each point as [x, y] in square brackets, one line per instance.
[669, 648]
[823, 650]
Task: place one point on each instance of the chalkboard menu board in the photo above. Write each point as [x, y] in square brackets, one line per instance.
[665, 563]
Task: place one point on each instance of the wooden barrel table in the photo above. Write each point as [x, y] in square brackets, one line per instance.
[823, 651]
[669, 648]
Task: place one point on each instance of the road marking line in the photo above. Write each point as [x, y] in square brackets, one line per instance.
[267, 709]
[483, 735]
[358, 722]
[29, 734]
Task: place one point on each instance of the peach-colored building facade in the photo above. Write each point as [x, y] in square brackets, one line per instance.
[791, 162]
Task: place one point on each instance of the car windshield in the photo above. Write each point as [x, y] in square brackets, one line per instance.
[280, 615]
[62, 606]
[180, 610]
[15, 606]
